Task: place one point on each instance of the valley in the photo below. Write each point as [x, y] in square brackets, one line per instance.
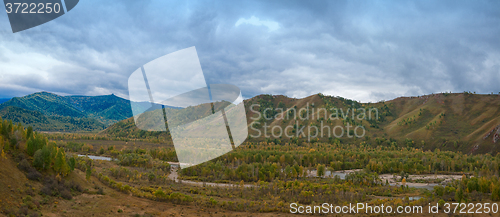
[399, 162]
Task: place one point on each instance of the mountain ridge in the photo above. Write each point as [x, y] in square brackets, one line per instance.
[107, 109]
[41, 122]
[448, 121]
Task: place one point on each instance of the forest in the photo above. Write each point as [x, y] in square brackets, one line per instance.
[258, 176]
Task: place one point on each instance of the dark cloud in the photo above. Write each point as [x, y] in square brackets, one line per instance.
[366, 51]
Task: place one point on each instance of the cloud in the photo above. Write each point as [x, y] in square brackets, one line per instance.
[367, 51]
[271, 25]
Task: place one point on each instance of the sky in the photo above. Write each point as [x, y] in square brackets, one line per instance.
[362, 50]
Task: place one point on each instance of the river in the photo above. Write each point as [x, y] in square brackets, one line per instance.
[328, 174]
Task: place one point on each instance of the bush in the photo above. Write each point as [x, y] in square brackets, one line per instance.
[54, 188]
[24, 165]
[48, 189]
[34, 175]
[23, 211]
[75, 186]
[20, 157]
[100, 191]
[66, 194]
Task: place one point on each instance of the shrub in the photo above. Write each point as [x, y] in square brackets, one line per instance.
[100, 191]
[24, 165]
[34, 175]
[61, 188]
[23, 211]
[66, 194]
[75, 186]
[127, 188]
[21, 156]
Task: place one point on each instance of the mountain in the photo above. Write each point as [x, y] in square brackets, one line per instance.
[105, 109]
[464, 122]
[41, 122]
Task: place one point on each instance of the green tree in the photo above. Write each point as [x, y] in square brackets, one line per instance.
[88, 171]
[46, 152]
[60, 165]
[30, 147]
[459, 194]
[321, 170]
[71, 164]
[29, 132]
[35, 143]
[38, 159]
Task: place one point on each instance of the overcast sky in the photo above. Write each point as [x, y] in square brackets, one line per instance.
[362, 50]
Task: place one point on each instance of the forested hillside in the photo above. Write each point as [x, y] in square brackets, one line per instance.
[41, 122]
[463, 122]
[106, 109]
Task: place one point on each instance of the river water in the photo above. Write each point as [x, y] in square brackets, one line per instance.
[328, 174]
[96, 157]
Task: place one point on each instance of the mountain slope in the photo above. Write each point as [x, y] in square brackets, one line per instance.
[46, 103]
[106, 109]
[459, 121]
[41, 122]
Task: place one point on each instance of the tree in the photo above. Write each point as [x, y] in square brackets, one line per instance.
[38, 160]
[321, 170]
[60, 164]
[71, 164]
[46, 152]
[29, 132]
[459, 194]
[88, 171]
[35, 143]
